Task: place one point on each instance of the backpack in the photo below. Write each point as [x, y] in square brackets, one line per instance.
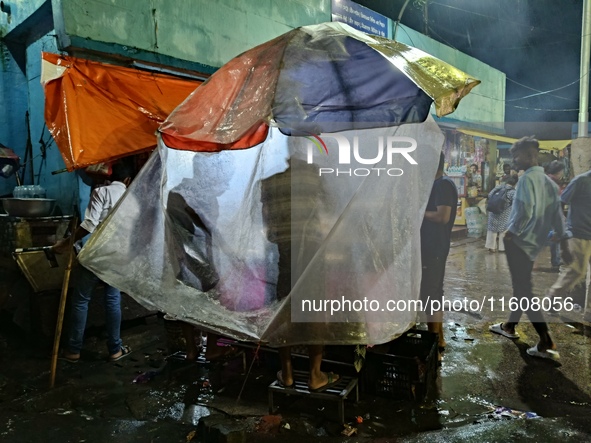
[497, 202]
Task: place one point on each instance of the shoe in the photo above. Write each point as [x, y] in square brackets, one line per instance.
[497, 329]
[280, 381]
[492, 250]
[331, 382]
[555, 268]
[125, 351]
[548, 354]
[62, 357]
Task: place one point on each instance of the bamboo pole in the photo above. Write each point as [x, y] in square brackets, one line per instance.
[62, 305]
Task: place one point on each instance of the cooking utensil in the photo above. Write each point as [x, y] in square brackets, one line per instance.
[28, 207]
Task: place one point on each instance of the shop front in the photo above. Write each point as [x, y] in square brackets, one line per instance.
[475, 160]
[468, 161]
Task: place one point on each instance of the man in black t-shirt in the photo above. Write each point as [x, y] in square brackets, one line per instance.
[438, 222]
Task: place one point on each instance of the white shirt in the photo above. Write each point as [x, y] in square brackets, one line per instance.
[101, 202]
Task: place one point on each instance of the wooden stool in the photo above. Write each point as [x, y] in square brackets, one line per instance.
[337, 392]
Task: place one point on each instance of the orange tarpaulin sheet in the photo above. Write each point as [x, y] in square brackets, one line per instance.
[98, 112]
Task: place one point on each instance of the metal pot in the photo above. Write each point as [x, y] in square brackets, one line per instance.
[28, 207]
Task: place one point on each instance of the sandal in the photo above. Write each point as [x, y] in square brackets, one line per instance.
[63, 357]
[331, 381]
[548, 354]
[498, 329]
[125, 351]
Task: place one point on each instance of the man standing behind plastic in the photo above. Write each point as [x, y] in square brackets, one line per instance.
[578, 196]
[102, 200]
[438, 222]
[536, 211]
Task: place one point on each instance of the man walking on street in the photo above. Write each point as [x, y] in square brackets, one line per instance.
[578, 196]
[536, 211]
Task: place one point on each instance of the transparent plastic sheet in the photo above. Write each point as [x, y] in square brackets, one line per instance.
[203, 236]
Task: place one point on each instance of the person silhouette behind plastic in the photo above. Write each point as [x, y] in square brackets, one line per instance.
[289, 203]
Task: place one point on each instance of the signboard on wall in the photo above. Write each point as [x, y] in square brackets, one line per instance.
[360, 17]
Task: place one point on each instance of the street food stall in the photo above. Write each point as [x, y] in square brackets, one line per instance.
[280, 159]
[295, 177]
[97, 113]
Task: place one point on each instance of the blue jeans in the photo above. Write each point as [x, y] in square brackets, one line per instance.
[85, 284]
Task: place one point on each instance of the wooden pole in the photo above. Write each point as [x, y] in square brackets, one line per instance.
[62, 305]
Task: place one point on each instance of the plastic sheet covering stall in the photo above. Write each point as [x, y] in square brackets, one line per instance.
[265, 244]
[98, 112]
[213, 243]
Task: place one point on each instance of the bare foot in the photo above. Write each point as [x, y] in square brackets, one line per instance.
[324, 380]
[286, 381]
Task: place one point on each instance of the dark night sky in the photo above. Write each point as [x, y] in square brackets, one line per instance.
[536, 43]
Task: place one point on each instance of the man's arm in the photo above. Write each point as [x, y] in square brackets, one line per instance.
[91, 221]
[522, 207]
[446, 198]
[568, 192]
[62, 245]
[441, 215]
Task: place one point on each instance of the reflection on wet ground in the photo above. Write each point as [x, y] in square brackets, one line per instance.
[488, 388]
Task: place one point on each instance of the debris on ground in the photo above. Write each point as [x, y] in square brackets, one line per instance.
[349, 431]
[269, 424]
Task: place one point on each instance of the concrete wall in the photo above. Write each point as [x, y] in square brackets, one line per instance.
[13, 106]
[485, 105]
[62, 187]
[203, 31]
[20, 10]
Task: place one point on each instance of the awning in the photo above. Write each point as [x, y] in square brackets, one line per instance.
[98, 112]
[548, 145]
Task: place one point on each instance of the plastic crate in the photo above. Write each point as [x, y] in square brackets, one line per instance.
[403, 369]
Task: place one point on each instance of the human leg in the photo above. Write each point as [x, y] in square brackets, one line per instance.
[190, 340]
[214, 352]
[113, 320]
[85, 283]
[491, 241]
[502, 241]
[432, 290]
[520, 268]
[285, 375]
[573, 273]
[319, 380]
[555, 254]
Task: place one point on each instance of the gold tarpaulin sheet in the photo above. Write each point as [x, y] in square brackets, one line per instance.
[97, 112]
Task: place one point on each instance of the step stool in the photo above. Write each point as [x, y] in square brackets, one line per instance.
[337, 392]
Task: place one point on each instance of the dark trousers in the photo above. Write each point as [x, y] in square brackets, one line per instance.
[521, 267]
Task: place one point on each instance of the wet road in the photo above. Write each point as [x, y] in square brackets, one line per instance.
[488, 388]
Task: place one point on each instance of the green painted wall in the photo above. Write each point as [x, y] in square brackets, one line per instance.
[485, 105]
[203, 31]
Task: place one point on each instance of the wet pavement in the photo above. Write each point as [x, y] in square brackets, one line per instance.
[488, 388]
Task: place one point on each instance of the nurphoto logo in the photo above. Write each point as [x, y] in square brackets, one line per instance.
[386, 146]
